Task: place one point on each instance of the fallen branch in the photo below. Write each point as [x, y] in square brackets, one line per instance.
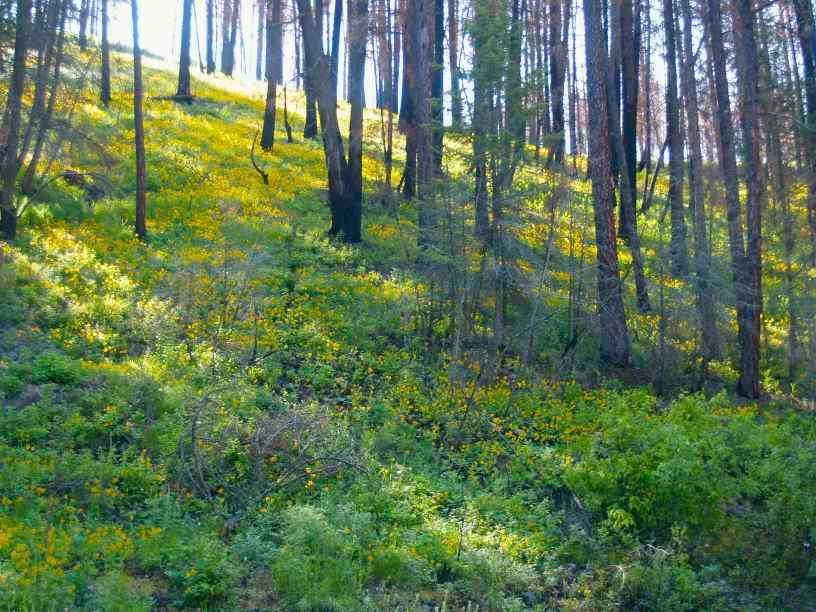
[264, 175]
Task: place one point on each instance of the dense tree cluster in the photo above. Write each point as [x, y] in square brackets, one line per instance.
[726, 88]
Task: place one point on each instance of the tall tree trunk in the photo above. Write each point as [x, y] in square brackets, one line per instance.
[453, 60]
[515, 120]
[229, 35]
[344, 202]
[630, 53]
[709, 336]
[614, 332]
[424, 30]
[84, 14]
[575, 149]
[678, 247]
[310, 126]
[183, 89]
[45, 125]
[45, 28]
[623, 47]
[480, 123]
[779, 179]
[335, 47]
[226, 50]
[646, 157]
[105, 89]
[10, 167]
[728, 162]
[408, 106]
[358, 30]
[138, 120]
[261, 66]
[273, 52]
[438, 84]
[558, 67]
[748, 80]
[807, 41]
[210, 36]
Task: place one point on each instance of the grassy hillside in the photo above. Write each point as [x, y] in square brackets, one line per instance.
[242, 415]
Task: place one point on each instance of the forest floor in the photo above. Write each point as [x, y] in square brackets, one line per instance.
[241, 414]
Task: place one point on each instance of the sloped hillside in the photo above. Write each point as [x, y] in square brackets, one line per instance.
[242, 414]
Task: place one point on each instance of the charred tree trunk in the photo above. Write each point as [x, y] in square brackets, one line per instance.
[344, 176]
[614, 332]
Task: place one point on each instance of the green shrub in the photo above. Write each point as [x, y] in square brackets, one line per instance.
[10, 386]
[54, 367]
[313, 570]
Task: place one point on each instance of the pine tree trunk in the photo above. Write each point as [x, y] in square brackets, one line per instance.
[210, 36]
[10, 167]
[45, 29]
[709, 335]
[438, 84]
[138, 120]
[807, 41]
[728, 163]
[84, 13]
[261, 67]
[480, 122]
[614, 332]
[408, 106]
[423, 29]
[630, 51]
[344, 177]
[105, 88]
[558, 67]
[310, 126]
[183, 90]
[45, 125]
[627, 188]
[273, 48]
[358, 30]
[453, 55]
[678, 247]
[748, 80]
